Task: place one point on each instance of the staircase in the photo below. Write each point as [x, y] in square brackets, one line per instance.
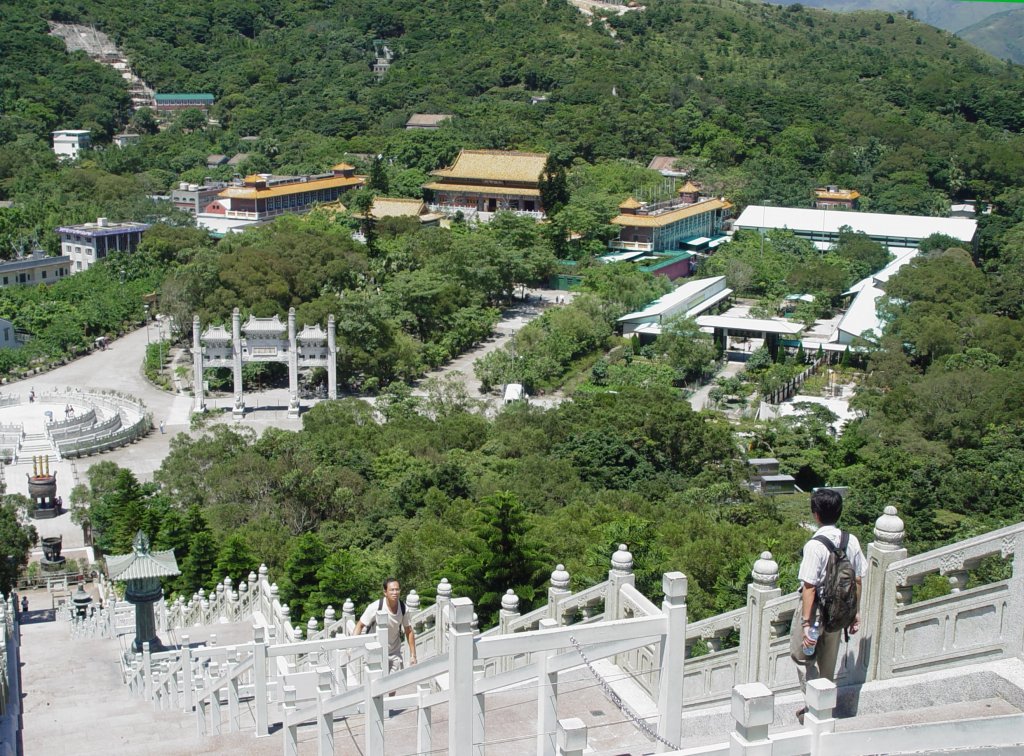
[34, 445]
[75, 702]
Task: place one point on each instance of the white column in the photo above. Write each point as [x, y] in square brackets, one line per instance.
[876, 609]
[547, 698]
[619, 575]
[332, 358]
[259, 678]
[753, 638]
[753, 708]
[293, 367]
[198, 385]
[373, 707]
[324, 720]
[558, 590]
[423, 719]
[238, 409]
[460, 677]
[673, 655]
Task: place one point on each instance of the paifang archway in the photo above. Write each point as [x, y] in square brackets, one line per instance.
[263, 340]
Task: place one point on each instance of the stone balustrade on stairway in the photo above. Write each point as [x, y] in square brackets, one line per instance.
[308, 676]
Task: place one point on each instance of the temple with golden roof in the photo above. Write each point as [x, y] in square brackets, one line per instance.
[483, 182]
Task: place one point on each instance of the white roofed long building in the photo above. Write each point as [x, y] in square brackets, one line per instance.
[822, 226]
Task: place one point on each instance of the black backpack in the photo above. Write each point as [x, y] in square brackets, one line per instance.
[380, 607]
[837, 594]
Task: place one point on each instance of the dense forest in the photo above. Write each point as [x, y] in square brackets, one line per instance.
[761, 103]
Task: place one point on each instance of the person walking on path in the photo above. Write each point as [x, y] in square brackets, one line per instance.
[831, 571]
[398, 622]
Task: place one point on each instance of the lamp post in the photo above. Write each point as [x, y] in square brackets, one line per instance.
[145, 317]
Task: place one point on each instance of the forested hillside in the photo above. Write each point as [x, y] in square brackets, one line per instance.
[762, 103]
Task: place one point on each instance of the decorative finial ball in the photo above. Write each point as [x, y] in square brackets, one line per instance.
[622, 560]
[560, 578]
[889, 528]
[444, 589]
[766, 569]
[510, 601]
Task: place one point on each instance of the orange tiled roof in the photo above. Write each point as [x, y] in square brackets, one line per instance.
[629, 204]
[251, 192]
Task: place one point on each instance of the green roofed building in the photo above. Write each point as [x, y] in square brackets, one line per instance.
[175, 102]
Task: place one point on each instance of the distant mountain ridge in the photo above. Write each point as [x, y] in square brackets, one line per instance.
[1001, 34]
[988, 26]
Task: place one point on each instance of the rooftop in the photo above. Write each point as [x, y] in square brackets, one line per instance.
[102, 227]
[872, 224]
[496, 165]
[142, 563]
[763, 325]
[676, 297]
[277, 186]
[171, 96]
[672, 215]
[426, 120]
[28, 263]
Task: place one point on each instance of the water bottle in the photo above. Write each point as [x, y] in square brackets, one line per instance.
[813, 632]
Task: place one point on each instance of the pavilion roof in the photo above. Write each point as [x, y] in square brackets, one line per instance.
[216, 333]
[264, 325]
[142, 563]
[671, 216]
[629, 204]
[312, 333]
[496, 165]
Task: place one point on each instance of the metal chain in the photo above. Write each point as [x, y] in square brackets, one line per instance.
[614, 697]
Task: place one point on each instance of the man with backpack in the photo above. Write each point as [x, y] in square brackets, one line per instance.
[830, 584]
[398, 621]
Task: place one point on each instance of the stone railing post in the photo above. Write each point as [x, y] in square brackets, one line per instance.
[348, 613]
[373, 706]
[572, 737]
[673, 654]
[619, 575]
[509, 610]
[444, 597]
[460, 678]
[259, 679]
[330, 617]
[558, 590]
[753, 638]
[753, 708]
[547, 696]
[877, 609]
[821, 700]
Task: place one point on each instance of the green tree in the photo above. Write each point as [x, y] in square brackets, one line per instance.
[16, 542]
[306, 555]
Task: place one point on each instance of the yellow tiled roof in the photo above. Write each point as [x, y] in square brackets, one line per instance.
[629, 204]
[251, 192]
[665, 219]
[511, 191]
[343, 167]
[689, 186]
[392, 207]
[496, 165]
[842, 194]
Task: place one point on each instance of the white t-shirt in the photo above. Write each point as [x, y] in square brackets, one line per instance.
[397, 624]
[815, 560]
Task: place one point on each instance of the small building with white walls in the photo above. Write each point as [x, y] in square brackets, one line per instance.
[36, 268]
[690, 299]
[89, 242]
[69, 142]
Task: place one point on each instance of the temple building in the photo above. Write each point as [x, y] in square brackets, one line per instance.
[89, 242]
[483, 182]
[688, 222]
[832, 197]
[261, 197]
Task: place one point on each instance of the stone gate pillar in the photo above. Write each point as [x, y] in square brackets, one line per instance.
[332, 358]
[882, 552]
[293, 367]
[198, 384]
[238, 410]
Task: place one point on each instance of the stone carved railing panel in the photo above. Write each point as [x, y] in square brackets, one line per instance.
[964, 626]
